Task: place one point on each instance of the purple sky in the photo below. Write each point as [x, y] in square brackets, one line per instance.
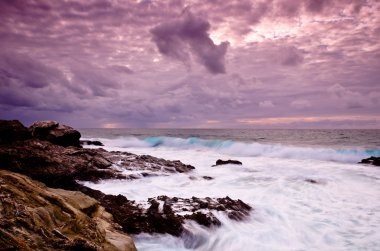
[195, 63]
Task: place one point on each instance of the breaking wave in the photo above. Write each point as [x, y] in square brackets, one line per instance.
[235, 148]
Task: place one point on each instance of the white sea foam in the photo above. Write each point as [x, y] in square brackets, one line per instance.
[340, 213]
[239, 149]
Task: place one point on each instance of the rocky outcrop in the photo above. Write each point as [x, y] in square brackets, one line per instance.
[225, 162]
[166, 215]
[12, 130]
[42, 159]
[371, 160]
[55, 165]
[35, 217]
[54, 132]
[146, 165]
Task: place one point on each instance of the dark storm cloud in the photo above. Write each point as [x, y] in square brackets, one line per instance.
[94, 62]
[26, 71]
[188, 36]
[291, 56]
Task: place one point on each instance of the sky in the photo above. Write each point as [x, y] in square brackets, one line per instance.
[191, 63]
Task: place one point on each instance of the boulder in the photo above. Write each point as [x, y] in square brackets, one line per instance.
[371, 160]
[12, 130]
[54, 132]
[225, 162]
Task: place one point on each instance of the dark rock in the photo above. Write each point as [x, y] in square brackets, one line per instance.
[12, 130]
[55, 165]
[225, 162]
[91, 142]
[311, 181]
[204, 219]
[207, 177]
[54, 132]
[371, 160]
[62, 166]
[149, 163]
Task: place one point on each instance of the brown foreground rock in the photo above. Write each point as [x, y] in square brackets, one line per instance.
[35, 217]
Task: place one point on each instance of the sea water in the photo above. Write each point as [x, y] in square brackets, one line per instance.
[339, 212]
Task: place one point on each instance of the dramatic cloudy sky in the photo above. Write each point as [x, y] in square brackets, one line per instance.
[191, 63]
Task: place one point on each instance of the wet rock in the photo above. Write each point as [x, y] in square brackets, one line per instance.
[312, 181]
[204, 219]
[91, 142]
[371, 160]
[225, 162]
[149, 163]
[12, 130]
[54, 132]
[134, 219]
[55, 165]
[61, 166]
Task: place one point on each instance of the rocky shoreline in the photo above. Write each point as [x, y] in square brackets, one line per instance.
[51, 153]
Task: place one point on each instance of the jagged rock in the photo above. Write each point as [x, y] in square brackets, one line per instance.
[91, 142]
[55, 165]
[12, 130]
[371, 160]
[54, 132]
[148, 165]
[165, 214]
[61, 166]
[225, 162]
[35, 217]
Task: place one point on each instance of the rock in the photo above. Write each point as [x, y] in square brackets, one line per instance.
[12, 130]
[372, 161]
[165, 214]
[55, 165]
[35, 217]
[91, 142]
[204, 219]
[207, 177]
[42, 159]
[225, 162]
[312, 181]
[54, 132]
[146, 163]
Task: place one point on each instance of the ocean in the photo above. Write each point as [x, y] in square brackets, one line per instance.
[341, 211]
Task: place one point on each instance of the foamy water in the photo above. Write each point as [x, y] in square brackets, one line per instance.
[341, 212]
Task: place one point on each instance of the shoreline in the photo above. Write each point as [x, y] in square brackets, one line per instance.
[51, 153]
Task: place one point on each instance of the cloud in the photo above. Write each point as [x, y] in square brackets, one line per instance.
[121, 69]
[188, 36]
[348, 98]
[102, 61]
[290, 56]
[300, 104]
[266, 104]
[27, 71]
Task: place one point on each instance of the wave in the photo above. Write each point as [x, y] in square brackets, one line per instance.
[236, 148]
